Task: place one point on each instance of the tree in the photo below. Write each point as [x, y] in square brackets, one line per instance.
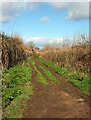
[31, 44]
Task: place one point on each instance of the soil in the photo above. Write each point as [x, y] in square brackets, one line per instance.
[55, 101]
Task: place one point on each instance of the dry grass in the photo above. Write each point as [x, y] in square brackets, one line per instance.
[76, 56]
[13, 50]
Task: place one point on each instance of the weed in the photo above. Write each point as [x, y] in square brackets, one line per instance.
[16, 108]
[13, 80]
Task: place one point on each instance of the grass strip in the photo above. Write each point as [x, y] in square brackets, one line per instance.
[78, 78]
[39, 77]
[49, 74]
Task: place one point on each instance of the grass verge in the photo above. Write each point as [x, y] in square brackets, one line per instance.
[12, 80]
[14, 91]
[78, 78]
[17, 106]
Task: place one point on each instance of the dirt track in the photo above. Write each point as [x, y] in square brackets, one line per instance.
[56, 101]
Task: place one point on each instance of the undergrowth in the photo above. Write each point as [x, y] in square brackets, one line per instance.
[14, 51]
[13, 86]
[16, 108]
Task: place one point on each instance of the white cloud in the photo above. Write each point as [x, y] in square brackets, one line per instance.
[59, 5]
[45, 19]
[42, 41]
[76, 11]
[11, 10]
[44, 0]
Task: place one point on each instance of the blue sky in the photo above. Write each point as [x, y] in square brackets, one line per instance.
[42, 22]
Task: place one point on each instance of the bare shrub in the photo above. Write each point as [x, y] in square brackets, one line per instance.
[13, 51]
[76, 55]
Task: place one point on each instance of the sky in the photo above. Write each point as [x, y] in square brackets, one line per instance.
[45, 22]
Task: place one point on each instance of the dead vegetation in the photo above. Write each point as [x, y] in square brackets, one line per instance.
[76, 56]
[13, 51]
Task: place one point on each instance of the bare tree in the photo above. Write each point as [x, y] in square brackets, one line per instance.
[31, 44]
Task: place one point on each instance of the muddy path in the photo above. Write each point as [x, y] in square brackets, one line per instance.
[53, 100]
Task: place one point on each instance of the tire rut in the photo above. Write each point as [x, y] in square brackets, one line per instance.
[45, 76]
[75, 91]
[55, 102]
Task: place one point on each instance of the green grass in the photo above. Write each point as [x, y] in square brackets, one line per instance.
[33, 63]
[78, 78]
[49, 74]
[56, 67]
[84, 85]
[27, 62]
[39, 77]
[13, 81]
[16, 76]
[16, 108]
